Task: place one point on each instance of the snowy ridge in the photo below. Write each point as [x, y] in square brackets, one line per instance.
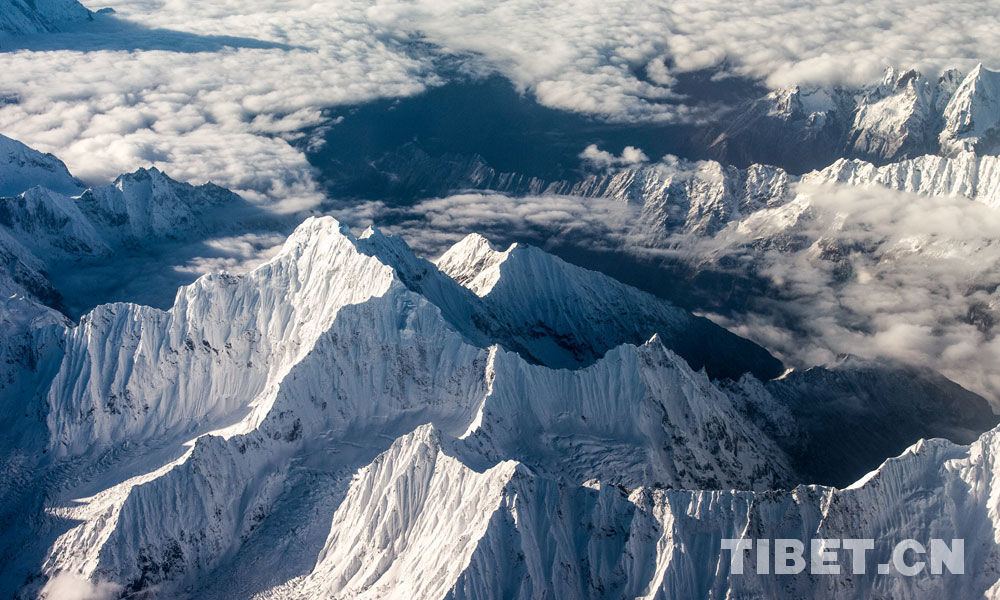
[964, 174]
[700, 197]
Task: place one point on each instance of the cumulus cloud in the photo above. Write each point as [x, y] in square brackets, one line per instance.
[602, 159]
[68, 586]
[219, 112]
[236, 254]
[433, 225]
[586, 54]
[873, 272]
[581, 55]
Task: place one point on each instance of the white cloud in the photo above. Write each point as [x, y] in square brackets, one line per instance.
[873, 272]
[67, 586]
[215, 112]
[225, 108]
[237, 254]
[584, 54]
[602, 159]
[433, 225]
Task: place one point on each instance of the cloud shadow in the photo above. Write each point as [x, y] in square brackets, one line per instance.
[108, 32]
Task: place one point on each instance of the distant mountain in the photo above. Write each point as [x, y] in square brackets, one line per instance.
[20, 17]
[904, 116]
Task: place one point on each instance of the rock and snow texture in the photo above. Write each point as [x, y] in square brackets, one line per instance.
[20, 17]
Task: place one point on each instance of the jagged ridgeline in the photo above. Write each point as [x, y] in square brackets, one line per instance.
[349, 401]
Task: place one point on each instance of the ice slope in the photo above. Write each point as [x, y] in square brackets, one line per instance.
[51, 226]
[972, 116]
[133, 372]
[20, 17]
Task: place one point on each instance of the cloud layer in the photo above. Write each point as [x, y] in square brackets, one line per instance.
[212, 112]
[588, 55]
[874, 272]
[864, 271]
[216, 90]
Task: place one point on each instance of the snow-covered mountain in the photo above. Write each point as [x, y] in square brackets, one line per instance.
[22, 167]
[310, 427]
[19, 17]
[904, 116]
[50, 237]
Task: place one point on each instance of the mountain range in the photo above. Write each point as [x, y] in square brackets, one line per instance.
[310, 426]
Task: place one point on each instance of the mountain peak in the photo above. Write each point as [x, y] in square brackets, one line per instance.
[474, 262]
[972, 116]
